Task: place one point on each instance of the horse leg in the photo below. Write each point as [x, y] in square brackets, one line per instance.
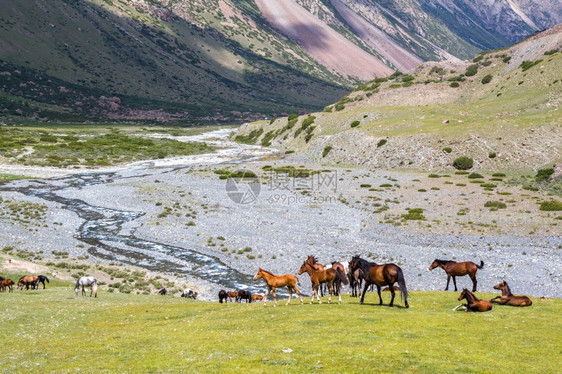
[331, 291]
[474, 282]
[393, 293]
[298, 293]
[264, 297]
[448, 280]
[364, 291]
[290, 295]
[274, 297]
[455, 282]
[379, 292]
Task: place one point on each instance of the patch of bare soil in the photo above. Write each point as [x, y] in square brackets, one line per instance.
[29, 267]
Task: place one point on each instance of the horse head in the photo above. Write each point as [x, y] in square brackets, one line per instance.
[434, 264]
[303, 267]
[500, 286]
[259, 274]
[464, 294]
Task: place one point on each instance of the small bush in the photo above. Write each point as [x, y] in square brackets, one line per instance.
[550, 206]
[528, 187]
[501, 175]
[495, 205]
[433, 176]
[414, 214]
[492, 155]
[471, 70]
[326, 150]
[355, 123]
[475, 176]
[544, 174]
[526, 65]
[463, 163]
[381, 143]
[487, 79]
[447, 150]
[454, 84]
[506, 59]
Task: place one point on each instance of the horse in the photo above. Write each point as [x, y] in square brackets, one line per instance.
[381, 275]
[244, 295]
[87, 282]
[473, 303]
[458, 269]
[355, 281]
[41, 279]
[223, 295]
[317, 277]
[6, 283]
[163, 291]
[338, 265]
[28, 280]
[256, 297]
[507, 298]
[189, 294]
[318, 266]
[232, 294]
[276, 281]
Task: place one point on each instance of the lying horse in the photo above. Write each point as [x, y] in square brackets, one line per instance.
[244, 295]
[507, 298]
[223, 295]
[257, 297]
[381, 275]
[6, 283]
[458, 269]
[276, 281]
[473, 303]
[87, 282]
[27, 281]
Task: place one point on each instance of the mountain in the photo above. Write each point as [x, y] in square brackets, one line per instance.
[502, 109]
[230, 60]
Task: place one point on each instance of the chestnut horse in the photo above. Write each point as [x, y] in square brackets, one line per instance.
[6, 283]
[232, 294]
[380, 275]
[318, 266]
[28, 280]
[507, 298]
[458, 269]
[256, 297]
[473, 303]
[276, 281]
[317, 277]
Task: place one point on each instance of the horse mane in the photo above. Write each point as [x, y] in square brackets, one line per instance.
[267, 272]
[314, 260]
[444, 262]
[507, 288]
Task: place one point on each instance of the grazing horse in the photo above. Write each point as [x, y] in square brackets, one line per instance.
[473, 303]
[6, 283]
[507, 298]
[458, 269]
[163, 291]
[244, 295]
[317, 277]
[87, 282]
[28, 280]
[381, 275]
[41, 279]
[233, 294]
[189, 294]
[223, 295]
[276, 281]
[256, 297]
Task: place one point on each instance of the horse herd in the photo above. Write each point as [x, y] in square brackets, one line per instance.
[27, 281]
[362, 273]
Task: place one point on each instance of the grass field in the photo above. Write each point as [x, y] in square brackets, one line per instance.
[53, 331]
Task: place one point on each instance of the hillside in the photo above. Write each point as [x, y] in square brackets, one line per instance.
[229, 60]
[501, 108]
[137, 333]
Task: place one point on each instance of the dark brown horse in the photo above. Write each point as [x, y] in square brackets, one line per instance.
[244, 295]
[223, 295]
[276, 281]
[27, 281]
[458, 269]
[337, 283]
[507, 298]
[317, 277]
[381, 275]
[6, 283]
[355, 281]
[473, 303]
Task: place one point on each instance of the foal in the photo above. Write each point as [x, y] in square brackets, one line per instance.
[318, 277]
[507, 298]
[473, 303]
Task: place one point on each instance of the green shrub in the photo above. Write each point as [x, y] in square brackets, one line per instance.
[506, 59]
[455, 84]
[501, 175]
[447, 149]
[463, 163]
[433, 176]
[475, 176]
[492, 155]
[381, 143]
[326, 150]
[528, 187]
[552, 205]
[414, 214]
[355, 123]
[292, 116]
[495, 205]
[471, 70]
[544, 174]
[526, 65]
[487, 79]
[551, 52]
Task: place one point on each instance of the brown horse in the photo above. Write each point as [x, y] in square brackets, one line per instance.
[381, 275]
[317, 277]
[473, 303]
[355, 281]
[232, 295]
[276, 281]
[318, 266]
[28, 280]
[6, 283]
[507, 298]
[458, 269]
[256, 297]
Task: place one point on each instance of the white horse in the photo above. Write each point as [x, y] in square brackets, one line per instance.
[87, 282]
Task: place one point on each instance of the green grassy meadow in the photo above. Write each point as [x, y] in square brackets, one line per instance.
[53, 331]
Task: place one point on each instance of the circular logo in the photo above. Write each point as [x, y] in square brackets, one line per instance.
[243, 186]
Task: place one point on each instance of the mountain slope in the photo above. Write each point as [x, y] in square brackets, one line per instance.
[504, 102]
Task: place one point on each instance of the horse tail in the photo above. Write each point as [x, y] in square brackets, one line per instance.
[298, 281]
[402, 284]
[341, 277]
[47, 279]
[481, 265]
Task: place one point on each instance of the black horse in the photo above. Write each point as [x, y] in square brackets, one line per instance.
[163, 291]
[380, 275]
[223, 295]
[243, 294]
[41, 279]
